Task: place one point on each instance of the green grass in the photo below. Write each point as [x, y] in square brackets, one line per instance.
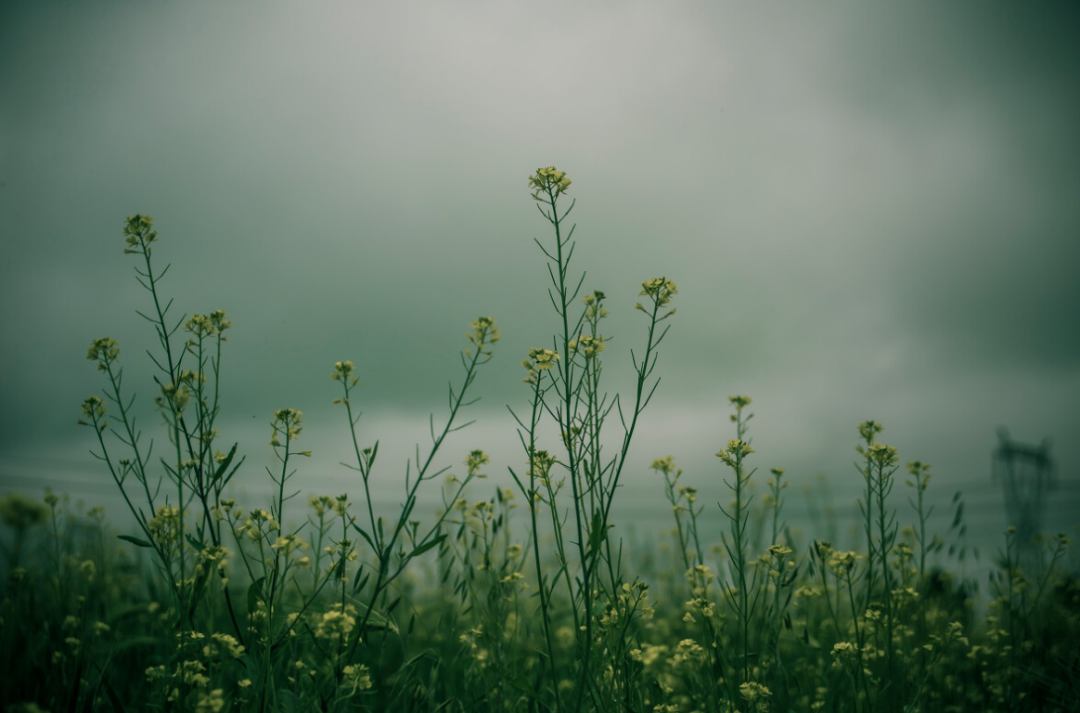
[507, 599]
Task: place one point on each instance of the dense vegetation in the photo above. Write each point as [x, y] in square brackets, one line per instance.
[217, 605]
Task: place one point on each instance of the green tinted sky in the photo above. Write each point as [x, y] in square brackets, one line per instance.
[870, 210]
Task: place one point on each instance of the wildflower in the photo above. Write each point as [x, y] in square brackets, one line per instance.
[779, 551]
[740, 402]
[756, 695]
[287, 543]
[334, 625]
[343, 372]
[357, 678]
[321, 504]
[868, 429]
[222, 645]
[665, 465]
[105, 351]
[475, 460]
[734, 453]
[286, 422]
[687, 652]
[138, 233]
[882, 455]
[538, 360]
[841, 562]
[548, 180]
[541, 464]
[587, 345]
[211, 702]
[844, 648]
[176, 395]
[201, 326]
[660, 289]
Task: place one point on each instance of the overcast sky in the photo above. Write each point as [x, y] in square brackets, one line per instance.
[870, 210]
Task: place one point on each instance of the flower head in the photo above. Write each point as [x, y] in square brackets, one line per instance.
[287, 422]
[589, 346]
[138, 233]
[484, 332]
[539, 359]
[548, 180]
[660, 289]
[475, 460]
[867, 429]
[105, 351]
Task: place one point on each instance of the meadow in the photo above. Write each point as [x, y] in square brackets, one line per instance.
[506, 599]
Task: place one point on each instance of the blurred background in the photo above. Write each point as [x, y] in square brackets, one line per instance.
[870, 212]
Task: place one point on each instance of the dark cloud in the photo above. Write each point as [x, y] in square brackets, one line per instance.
[869, 210]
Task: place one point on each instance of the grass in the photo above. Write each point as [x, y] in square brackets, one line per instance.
[213, 605]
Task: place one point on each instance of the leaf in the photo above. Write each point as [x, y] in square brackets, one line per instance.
[356, 579]
[254, 595]
[225, 463]
[429, 545]
[367, 538]
[135, 541]
[194, 543]
[598, 531]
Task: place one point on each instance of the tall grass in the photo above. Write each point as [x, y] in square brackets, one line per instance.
[210, 605]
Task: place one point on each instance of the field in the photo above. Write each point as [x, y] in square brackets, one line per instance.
[509, 599]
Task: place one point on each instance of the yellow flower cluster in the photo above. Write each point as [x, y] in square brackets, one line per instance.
[736, 450]
[841, 563]
[588, 345]
[206, 325]
[660, 289]
[164, 527]
[104, 351]
[756, 695]
[595, 312]
[483, 332]
[93, 407]
[475, 460]
[343, 372]
[922, 474]
[221, 646]
[138, 233]
[336, 623]
[868, 429]
[356, 678]
[882, 455]
[539, 359]
[548, 180]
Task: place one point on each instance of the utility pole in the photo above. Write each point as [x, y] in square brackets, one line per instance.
[1026, 473]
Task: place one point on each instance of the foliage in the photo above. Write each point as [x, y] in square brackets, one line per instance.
[211, 606]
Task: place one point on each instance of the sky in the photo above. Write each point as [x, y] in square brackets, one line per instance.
[869, 210]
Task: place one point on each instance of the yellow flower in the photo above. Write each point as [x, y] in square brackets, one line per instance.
[475, 460]
[867, 429]
[105, 351]
[660, 289]
[548, 180]
[484, 332]
[587, 344]
[740, 402]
